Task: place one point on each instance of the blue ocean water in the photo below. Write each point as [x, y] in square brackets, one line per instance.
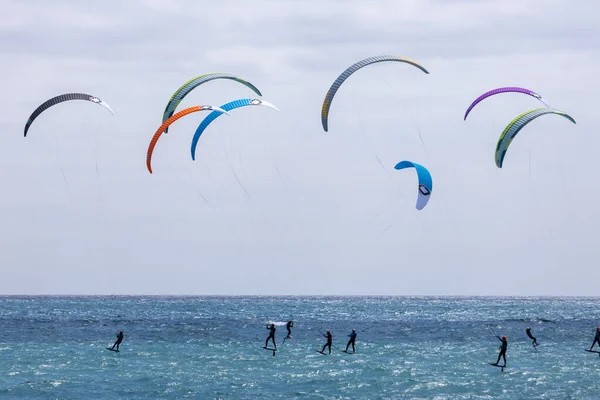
[210, 348]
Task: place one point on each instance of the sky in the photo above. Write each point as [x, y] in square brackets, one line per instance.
[273, 205]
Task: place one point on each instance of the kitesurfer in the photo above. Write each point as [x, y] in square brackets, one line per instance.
[596, 338]
[289, 326]
[528, 331]
[329, 341]
[119, 340]
[351, 341]
[503, 348]
[271, 329]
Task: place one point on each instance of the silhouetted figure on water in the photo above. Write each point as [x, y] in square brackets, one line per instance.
[528, 331]
[119, 340]
[351, 341]
[329, 341]
[271, 337]
[503, 348]
[288, 326]
[596, 338]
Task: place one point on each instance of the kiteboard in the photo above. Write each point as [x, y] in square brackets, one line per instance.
[268, 348]
[592, 351]
[319, 351]
[108, 348]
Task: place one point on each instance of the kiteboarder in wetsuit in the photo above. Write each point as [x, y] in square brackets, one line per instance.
[289, 326]
[329, 341]
[351, 341]
[271, 336]
[596, 338]
[119, 340]
[528, 331]
[503, 347]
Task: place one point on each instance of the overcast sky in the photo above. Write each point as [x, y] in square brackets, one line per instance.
[82, 215]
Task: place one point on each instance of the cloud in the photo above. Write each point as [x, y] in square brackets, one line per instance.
[322, 215]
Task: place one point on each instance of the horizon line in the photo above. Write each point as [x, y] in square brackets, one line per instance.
[304, 295]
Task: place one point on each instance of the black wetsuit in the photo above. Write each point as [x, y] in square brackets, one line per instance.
[289, 326]
[502, 349]
[596, 339]
[528, 330]
[351, 341]
[119, 340]
[271, 336]
[329, 341]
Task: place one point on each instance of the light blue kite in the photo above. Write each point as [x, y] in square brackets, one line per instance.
[227, 107]
[425, 182]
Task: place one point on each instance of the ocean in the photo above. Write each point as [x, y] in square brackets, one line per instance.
[53, 347]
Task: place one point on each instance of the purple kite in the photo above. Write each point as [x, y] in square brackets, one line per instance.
[504, 90]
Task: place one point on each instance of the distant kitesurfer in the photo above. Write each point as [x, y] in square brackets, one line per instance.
[329, 341]
[272, 329]
[503, 348]
[351, 341]
[119, 340]
[289, 326]
[528, 331]
[596, 338]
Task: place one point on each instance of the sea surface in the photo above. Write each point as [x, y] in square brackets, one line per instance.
[211, 348]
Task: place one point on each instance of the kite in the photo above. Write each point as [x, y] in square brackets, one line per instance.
[190, 85]
[226, 107]
[169, 121]
[519, 123]
[349, 71]
[425, 182]
[59, 99]
[504, 90]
